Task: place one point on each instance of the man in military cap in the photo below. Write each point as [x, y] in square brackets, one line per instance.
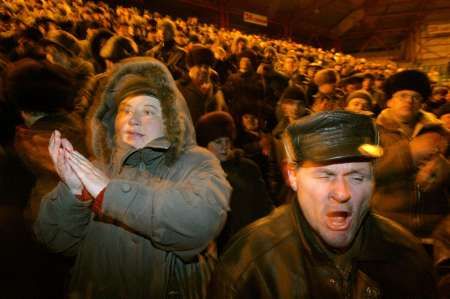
[326, 243]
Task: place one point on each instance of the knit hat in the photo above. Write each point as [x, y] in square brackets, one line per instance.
[332, 136]
[362, 94]
[214, 125]
[408, 80]
[36, 86]
[200, 55]
[118, 47]
[326, 76]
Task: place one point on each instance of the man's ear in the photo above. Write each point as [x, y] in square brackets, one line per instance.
[292, 176]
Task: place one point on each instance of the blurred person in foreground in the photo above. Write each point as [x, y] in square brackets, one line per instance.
[326, 243]
[140, 217]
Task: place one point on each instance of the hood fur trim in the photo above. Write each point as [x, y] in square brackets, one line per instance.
[176, 117]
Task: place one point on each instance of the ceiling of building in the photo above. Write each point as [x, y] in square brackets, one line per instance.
[352, 25]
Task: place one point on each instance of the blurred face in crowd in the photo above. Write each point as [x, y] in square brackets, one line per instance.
[334, 198]
[139, 120]
[367, 84]
[250, 122]
[379, 84]
[290, 65]
[323, 104]
[446, 120]
[358, 105]
[199, 74]
[405, 105]
[327, 88]
[245, 65]
[349, 88]
[240, 47]
[221, 148]
[292, 110]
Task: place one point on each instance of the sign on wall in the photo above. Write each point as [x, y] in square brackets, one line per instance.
[255, 19]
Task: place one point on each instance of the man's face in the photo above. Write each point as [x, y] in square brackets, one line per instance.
[250, 122]
[358, 105]
[327, 88]
[245, 65]
[139, 121]
[334, 198]
[405, 104]
[290, 65]
[220, 147]
[199, 74]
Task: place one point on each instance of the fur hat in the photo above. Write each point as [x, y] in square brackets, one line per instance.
[362, 94]
[118, 47]
[326, 76]
[214, 125]
[200, 55]
[36, 86]
[64, 41]
[408, 80]
[332, 136]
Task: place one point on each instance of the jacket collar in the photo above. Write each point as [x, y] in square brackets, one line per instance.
[375, 245]
[133, 157]
[425, 120]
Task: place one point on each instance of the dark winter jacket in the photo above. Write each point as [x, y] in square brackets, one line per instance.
[163, 205]
[279, 257]
[397, 195]
[249, 200]
[198, 102]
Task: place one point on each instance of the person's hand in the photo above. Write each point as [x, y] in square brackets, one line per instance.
[58, 148]
[92, 178]
[424, 146]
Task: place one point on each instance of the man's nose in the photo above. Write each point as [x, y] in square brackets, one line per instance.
[341, 191]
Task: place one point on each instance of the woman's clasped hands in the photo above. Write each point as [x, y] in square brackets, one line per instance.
[74, 169]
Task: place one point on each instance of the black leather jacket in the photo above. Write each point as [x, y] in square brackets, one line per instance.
[278, 257]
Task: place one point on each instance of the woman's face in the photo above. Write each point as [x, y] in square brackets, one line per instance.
[221, 148]
[139, 120]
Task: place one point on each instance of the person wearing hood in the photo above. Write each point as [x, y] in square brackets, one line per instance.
[140, 217]
[412, 176]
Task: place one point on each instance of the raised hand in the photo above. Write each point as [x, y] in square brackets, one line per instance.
[92, 178]
[58, 149]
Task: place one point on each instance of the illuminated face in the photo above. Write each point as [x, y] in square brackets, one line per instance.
[405, 104]
[221, 148]
[199, 74]
[250, 122]
[357, 105]
[245, 64]
[327, 88]
[334, 198]
[139, 120]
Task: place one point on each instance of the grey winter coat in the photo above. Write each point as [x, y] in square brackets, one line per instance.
[162, 207]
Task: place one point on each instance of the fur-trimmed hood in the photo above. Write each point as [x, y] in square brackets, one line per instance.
[180, 132]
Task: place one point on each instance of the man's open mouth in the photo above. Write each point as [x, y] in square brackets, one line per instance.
[338, 220]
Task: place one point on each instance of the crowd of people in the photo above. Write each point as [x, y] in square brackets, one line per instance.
[135, 146]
